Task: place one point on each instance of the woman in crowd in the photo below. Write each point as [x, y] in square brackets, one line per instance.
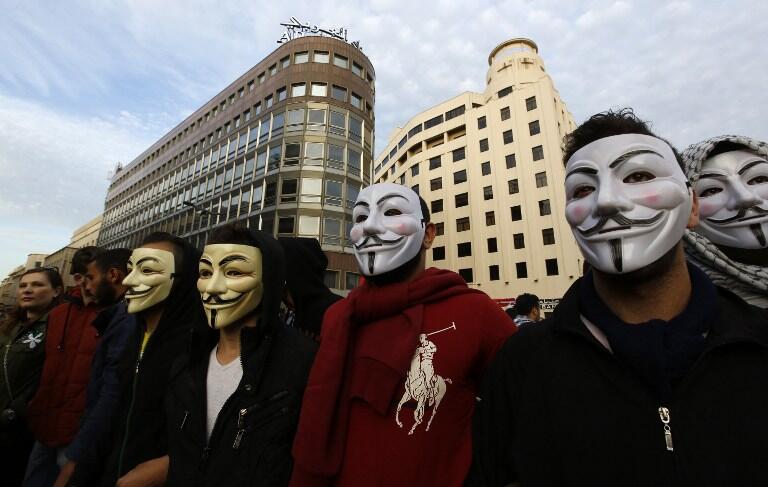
[22, 338]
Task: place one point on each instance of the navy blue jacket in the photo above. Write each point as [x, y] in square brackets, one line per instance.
[117, 329]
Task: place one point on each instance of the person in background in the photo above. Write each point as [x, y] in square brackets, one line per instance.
[116, 328]
[22, 344]
[162, 295]
[234, 399]
[306, 293]
[526, 309]
[647, 373]
[391, 394]
[55, 410]
[730, 176]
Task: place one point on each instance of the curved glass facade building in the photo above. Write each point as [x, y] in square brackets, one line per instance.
[285, 149]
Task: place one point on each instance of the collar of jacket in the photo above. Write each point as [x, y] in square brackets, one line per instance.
[106, 315]
[735, 322]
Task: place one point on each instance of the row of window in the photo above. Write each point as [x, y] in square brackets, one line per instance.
[521, 269]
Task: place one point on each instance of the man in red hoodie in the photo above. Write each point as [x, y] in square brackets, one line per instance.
[55, 410]
[391, 394]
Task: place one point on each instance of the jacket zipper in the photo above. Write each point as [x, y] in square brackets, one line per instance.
[5, 371]
[665, 417]
[241, 429]
[128, 419]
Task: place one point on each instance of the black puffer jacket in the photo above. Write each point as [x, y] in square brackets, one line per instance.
[141, 431]
[251, 440]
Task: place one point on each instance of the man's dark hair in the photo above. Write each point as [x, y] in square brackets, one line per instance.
[84, 256]
[607, 124]
[525, 303]
[233, 234]
[113, 259]
[727, 146]
[424, 210]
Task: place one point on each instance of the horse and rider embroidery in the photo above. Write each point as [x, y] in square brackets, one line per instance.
[422, 384]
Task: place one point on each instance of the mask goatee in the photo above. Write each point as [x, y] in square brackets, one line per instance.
[757, 230]
[616, 254]
[371, 258]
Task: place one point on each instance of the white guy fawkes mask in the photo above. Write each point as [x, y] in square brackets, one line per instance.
[732, 190]
[230, 282]
[150, 278]
[627, 201]
[388, 229]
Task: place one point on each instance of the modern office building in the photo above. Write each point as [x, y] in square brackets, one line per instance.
[490, 167]
[285, 148]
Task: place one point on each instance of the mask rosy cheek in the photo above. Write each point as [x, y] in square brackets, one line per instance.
[356, 233]
[575, 213]
[404, 228]
[706, 208]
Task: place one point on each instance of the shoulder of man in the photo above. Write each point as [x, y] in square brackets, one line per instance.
[737, 317]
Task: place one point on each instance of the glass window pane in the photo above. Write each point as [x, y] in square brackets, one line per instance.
[319, 89]
[321, 56]
[309, 225]
[299, 89]
[311, 188]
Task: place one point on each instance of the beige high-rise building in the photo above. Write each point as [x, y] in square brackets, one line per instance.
[490, 167]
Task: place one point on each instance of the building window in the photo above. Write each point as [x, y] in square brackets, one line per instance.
[268, 101]
[331, 278]
[315, 116]
[481, 123]
[285, 224]
[357, 69]
[459, 154]
[434, 162]
[313, 153]
[544, 208]
[281, 94]
[548, 236]
[530, 103]
[541, 179]
[517, 213]
[485, 168]
[462, 200]
[340, 61]
[262, 77]
[288, 190]
[319, 89]
[415, 170]
[490, 218]
[415, 188]
[309, 225]
[514, 186]
[508, 139]
[466, 274]
[435, 184]
[301, 57]
[285, 62]
[351, 279]
[511, 161]
[438, 253]
[534, 128]
[488, 193]
[356, 101]
[299, 89]
[462, 224]
[519, 240]
[551, 267]
[465, 249]
[273, 70]
[321, 57]
[492, 245]
[522, 270]
[433, 121]
[493, 272]
[439, 229]
[338, 123]
[339, 93]
[538, 153]
[454, 113]
[483, 145]
[460, 176]
[436, 206]
[505, 113]
[415, 130]
[333, 192]
[506, 91]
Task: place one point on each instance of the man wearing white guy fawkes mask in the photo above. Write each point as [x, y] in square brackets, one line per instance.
[645, 362]
[161, 294]
[399, 362]
[235, 398]
[730, 176]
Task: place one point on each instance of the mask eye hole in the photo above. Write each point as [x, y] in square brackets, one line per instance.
[361, 218]
[393, 212]
[205, 273]
[758, 180]
[710, 192]
[234, 273]
[639, 177]
[147, 270]
[583, 191]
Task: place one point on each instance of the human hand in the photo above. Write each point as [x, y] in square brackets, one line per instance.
[64, 475]
[148, 474]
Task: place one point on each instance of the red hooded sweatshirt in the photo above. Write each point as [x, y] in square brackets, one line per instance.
[391, 394]
[55, 410]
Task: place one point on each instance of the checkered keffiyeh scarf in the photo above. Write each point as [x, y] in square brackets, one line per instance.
[748, 281]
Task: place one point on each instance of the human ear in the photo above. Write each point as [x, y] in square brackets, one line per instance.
[693, 220]
[430, 232]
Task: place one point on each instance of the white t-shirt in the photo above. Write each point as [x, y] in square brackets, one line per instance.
[221, 382]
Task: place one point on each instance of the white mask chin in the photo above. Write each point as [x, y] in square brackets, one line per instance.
[389, 228]
[150, 278]
[732, 191]
[627, 201]
[230, 283]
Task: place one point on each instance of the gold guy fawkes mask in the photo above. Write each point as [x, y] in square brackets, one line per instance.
[150, 278]
[230, 282]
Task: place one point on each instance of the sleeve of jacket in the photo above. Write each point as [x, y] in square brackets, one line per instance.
[95, 430]
[493, 426]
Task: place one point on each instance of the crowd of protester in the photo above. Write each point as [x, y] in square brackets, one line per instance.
[235, 365]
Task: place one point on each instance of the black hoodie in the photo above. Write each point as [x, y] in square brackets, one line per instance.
[141, 432]
[251, 441]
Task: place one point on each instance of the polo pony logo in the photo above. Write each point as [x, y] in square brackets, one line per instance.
[422, 384]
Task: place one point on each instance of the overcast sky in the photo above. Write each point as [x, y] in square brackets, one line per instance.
[86, 84]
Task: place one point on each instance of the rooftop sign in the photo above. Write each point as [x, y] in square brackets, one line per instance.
[295, 29]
